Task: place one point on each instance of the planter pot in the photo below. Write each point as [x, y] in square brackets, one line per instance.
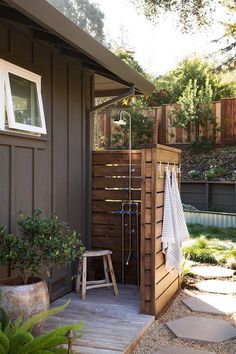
[24, 300]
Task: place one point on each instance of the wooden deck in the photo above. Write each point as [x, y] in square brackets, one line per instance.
[112, 324]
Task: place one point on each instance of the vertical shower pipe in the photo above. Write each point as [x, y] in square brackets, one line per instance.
[130, 191]
[122, 122]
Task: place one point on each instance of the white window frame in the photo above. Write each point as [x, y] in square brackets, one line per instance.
[2, 97]
[7, 68]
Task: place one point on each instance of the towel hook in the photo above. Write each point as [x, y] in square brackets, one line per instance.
[179, 169]
[167, 167]
[160, 169]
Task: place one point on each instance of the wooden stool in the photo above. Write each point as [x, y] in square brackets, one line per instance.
[108, 267]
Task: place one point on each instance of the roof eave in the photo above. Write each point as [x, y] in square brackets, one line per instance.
[53, 21]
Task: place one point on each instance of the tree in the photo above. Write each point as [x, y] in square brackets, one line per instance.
[128, 57]
[171, 86]
[194, 113]
[227, 53]
[194, 14]
[87, 16]
[190, 13]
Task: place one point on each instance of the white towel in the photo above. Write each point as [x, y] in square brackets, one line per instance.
[182, 226]
[174, 230]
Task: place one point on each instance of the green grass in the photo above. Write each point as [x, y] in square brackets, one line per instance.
[211, 245]
[211, 232]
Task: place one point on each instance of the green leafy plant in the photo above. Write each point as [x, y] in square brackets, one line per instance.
[234, 176]
[43, 241]
[200, 145]
[17, 337]
[194, 174]
[194, 110]
[142, 131]
[189, 207]
[214, 172]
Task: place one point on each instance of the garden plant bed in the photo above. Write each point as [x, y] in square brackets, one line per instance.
[212, 245]
[216, 165]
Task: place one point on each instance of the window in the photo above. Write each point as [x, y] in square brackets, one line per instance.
[20, 99]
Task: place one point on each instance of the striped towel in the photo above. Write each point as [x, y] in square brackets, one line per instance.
[174, 230]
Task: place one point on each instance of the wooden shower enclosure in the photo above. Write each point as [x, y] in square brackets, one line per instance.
[109, 190]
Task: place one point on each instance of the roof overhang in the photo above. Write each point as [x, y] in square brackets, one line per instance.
[112, 75]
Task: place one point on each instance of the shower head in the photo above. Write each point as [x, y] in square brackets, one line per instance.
[121, 121]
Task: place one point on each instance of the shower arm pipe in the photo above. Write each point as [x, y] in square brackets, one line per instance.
[122, 114]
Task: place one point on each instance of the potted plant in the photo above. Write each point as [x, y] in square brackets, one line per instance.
[41, 243]
[17, 336]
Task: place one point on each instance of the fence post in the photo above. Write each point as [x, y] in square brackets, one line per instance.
[207, 194]
[235, 197]
[163, 126]
[108, 131]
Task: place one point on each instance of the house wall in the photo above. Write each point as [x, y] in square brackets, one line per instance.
[47, 172]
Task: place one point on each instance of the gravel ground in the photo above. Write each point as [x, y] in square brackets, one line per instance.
[159, 337]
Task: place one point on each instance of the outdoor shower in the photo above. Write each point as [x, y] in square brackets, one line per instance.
[130, 208]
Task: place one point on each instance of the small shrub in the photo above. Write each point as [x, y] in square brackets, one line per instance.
[234, 176]
[231, 263]
[17, 337]
[43, 241]
[189, 207]
[214, 172]
[201, 243]
[200, 145]
[201, 255]
[194, 174]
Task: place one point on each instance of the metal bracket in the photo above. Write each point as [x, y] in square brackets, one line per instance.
[128, 93]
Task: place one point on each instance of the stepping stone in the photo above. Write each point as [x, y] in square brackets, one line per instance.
[182, 350]
[209, 272]
[202, 329]
[213, 304]
[217, 286]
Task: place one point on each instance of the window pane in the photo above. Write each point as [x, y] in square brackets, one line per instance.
[25, 101]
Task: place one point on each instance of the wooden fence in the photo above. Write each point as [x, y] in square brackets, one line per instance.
[110, 170]
[157, 285]
[109, 190]
[217, 196]
[225, 112]
[168, 134]
[163, 130]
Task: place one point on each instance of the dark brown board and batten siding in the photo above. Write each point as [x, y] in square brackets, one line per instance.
[47, 172]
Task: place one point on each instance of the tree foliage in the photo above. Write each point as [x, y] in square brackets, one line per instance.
[194, 111]
[190, 13]
[128, 57]
[227, 53]
[195, 14]
[86, 15]
[171, 86]
[142, 129]
[43, 241]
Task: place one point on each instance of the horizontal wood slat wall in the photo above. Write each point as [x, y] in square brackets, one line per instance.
[157, 285]
[110, 171]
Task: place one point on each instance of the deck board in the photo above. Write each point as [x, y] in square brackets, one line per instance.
[111, 324]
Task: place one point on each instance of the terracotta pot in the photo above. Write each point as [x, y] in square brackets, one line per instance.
[24, 300]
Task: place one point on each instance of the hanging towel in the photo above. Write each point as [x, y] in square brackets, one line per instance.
[167, 230]
[182, 226]
[174, 230]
